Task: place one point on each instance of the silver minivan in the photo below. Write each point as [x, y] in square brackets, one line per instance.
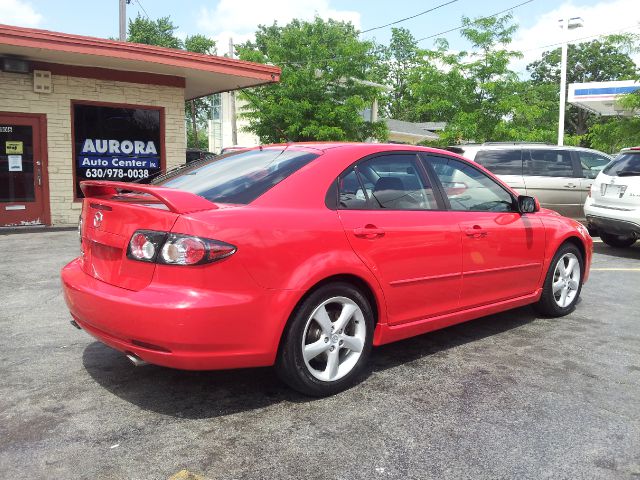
[559, 177]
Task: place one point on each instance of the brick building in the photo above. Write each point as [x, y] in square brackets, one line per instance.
[75, 107]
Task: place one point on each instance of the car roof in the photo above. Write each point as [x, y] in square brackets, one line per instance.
[359, 146]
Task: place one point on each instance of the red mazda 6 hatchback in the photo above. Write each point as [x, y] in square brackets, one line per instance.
[306, 255]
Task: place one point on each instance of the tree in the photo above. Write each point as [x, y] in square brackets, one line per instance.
[321, 93]
[161, 32]
[594, 61]
[395, 65]
[475, 92]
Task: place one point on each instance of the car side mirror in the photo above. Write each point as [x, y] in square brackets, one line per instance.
[528, 204]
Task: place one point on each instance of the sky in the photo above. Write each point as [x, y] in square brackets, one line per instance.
[238, 19]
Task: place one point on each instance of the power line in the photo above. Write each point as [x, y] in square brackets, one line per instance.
[475, 21]
[602, 34]
[140, 5]
[412, 16]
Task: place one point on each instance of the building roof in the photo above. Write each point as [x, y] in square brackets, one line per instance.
[200, 74]
[423, 131]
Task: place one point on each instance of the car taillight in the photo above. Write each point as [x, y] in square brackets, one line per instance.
[176, 249]
[589, 190]
[145, 245]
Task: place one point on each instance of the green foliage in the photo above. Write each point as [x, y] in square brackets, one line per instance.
[483, 91]
[615, 134]
[396, 64]
[200, 44]
[320, 94]
[160, 32]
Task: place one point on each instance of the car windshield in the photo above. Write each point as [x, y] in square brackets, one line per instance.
[239, 177]
[626, 164]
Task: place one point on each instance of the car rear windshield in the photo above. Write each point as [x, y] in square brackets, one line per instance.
[625, 165]
[239, 177]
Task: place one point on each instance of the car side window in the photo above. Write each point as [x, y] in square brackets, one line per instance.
[592, 163]
[391, 182]
[467, 188]
[351, 193]
[549, 163]
[501, 162]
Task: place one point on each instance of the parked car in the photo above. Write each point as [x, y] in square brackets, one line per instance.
[613, 208]
[196, 154]
[304, 256]
[559, 177]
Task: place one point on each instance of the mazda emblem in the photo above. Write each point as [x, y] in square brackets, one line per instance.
[97, 219]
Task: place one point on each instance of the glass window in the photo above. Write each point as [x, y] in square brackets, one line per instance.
[624, 165]
[238, 177]
[16, 163]
[114, 143]
[467, 188]
[549, 163]
[592, 163]
[352, 195]
[391, 182]
[501, 162]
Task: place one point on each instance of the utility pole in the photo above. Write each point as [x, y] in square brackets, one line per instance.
[232, 104]
[123, 21]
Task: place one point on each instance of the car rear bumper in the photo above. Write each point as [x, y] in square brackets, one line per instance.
[182, 328]
[612, 220]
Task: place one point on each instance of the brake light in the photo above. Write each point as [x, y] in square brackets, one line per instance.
[176, 249]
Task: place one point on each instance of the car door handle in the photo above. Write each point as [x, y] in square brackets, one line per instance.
[570, 185]
[368, 231]
[475, 232]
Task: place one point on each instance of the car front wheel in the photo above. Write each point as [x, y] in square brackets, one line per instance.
[327, 342]
[618, 241]
[563, 282]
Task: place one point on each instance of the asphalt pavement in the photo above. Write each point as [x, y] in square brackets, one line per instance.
[510, 396]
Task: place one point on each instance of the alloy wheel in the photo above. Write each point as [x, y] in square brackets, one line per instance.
[566, 280]
[334, 337]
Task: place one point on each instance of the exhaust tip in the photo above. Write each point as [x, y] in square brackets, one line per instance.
[75, 324]
[136, 360]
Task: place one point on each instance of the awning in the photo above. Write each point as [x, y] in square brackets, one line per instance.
[99, 58]
[601, 97]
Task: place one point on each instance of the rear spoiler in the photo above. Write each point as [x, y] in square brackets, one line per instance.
[178, 201]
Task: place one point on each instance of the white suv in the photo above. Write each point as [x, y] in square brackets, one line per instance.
[613, 207]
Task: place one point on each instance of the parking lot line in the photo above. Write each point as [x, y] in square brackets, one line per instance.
[614, 269]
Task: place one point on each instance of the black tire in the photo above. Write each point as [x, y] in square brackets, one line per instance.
[290, 364]
[547, 305]
[617, 241]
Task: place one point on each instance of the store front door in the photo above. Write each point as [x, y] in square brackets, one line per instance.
[23, 189]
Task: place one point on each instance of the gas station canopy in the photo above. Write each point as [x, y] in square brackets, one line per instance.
[601, 97]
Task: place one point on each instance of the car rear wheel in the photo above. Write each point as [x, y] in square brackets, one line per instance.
[328, 341]
[563, 282]
[618, 241]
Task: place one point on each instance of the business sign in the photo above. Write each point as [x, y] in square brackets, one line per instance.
[113, 143]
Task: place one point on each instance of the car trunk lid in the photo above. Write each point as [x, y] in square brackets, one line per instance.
[112, 212]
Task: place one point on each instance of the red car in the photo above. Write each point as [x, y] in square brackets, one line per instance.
[306, 255]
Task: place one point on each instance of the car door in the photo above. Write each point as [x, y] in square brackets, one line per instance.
[506, 164]
[396, 223]
[502, 250]
[551, 177]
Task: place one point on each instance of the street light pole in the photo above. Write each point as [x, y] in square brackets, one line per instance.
[566, 24]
